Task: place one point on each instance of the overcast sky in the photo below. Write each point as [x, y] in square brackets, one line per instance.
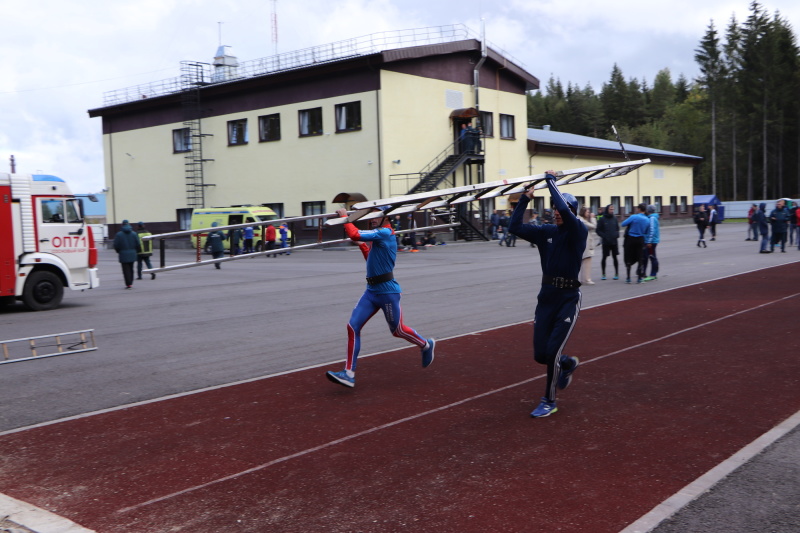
[60, 56]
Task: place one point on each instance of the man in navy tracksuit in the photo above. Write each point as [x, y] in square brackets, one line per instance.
[561, 247]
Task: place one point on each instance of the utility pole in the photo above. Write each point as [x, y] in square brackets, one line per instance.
[13, 165]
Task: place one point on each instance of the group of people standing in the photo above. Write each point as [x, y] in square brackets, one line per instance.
[782, 223]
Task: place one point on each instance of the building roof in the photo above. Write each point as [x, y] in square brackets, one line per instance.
[550, 140]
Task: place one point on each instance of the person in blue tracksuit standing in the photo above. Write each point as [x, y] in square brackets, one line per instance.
[383, 293]
[651, 240]
[633, 246]
[561, 247]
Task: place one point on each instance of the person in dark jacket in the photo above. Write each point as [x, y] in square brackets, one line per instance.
[701, 220]
[760, 221]
[608, 230]
[127, 246]
[216, 242]
[779, 220]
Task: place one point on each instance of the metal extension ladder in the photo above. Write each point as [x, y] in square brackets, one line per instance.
[65, 343]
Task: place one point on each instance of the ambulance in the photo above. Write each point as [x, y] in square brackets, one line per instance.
[45, 244]
[229, 216]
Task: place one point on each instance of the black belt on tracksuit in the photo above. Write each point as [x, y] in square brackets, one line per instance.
[561, 283]
[380, 278]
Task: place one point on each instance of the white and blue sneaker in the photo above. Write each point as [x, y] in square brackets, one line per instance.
[545, 408]
[565, 378]
[342, 378]
[427, 352]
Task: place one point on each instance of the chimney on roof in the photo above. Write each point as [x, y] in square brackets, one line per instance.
[225, 65]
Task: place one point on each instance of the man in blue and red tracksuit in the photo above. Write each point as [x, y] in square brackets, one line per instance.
[383, 293]
[561, 247]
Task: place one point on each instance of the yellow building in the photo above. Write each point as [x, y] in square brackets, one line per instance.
[294, 131]
[667, 182]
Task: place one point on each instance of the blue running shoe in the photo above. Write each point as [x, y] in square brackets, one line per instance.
[545, 408]
[342, 378]
[616, 277]
[566, 375]
[602, 277]
[427, 353]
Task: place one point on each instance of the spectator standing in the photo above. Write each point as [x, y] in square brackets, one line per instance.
[269, 239]
[248, 233]
[779, 219]
[762, 223]
[284, 231]
[712, 221]
[127, 246]
[494, 220]
[587, 217]
[145, 252]
[503, 227]
[651, 240]
[511, 239]
[793, 223]
[634, 242]
[608, 230]
[235, 238]
[215, 241]
[751, 226]
[701, 221]
[412, 236]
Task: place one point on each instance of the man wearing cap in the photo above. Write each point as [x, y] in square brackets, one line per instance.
[561, 247]
[379, 247]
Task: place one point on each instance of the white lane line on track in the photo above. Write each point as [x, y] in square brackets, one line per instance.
[429, 412]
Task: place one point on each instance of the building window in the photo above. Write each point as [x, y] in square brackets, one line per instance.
[594, 204]
[658, 204]
[581, 202]
[348, 117]
[646, 200]
[181, 140]
[684, 204]
[538, 202]
[237, 132]
[278, 208]
[506, 126]
[628, 205]
[487, 124]
[310, 122]
[313, 208]
[673, 204]
[269, 128]
[615, 203]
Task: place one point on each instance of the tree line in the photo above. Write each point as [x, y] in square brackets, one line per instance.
[742, 113]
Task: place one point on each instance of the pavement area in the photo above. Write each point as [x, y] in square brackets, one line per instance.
[198, 329]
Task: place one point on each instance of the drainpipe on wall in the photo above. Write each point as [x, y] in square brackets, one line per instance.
[476, 71]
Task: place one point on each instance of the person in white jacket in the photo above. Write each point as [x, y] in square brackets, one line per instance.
[588, 219]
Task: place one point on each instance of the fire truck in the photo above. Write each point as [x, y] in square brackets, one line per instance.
[45, 244]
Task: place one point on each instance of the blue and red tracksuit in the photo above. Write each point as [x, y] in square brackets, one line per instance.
[561, 251]
[380, 256]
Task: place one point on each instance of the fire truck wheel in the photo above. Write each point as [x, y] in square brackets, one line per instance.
[42, 291]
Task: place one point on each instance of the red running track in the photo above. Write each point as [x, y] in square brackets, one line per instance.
[672, 384]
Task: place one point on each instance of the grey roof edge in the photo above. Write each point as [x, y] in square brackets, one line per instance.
[571, 140]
